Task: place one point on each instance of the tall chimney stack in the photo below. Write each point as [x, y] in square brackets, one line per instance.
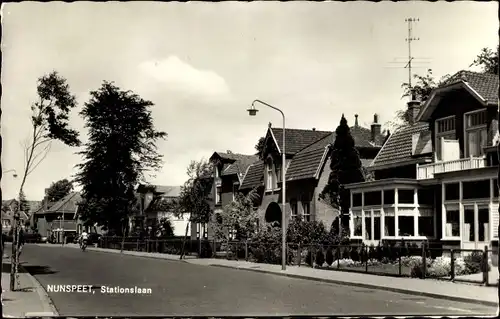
[413, 108]
[376, 129]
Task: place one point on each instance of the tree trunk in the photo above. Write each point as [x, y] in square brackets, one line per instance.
[123, 238]
[184, 240]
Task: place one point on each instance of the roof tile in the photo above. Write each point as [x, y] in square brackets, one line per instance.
[398, 147]
[254, 176]
[484, 84]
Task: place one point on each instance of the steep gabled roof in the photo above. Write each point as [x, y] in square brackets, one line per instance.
[235, 164]
[68, 203]
[254, 176]
[483, 87]
[297, 139]
[398, 148]
[485, 84]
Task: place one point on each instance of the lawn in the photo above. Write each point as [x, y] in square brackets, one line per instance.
[388, 269]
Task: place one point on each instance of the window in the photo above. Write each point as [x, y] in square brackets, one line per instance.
[293, 208]
[278, 175]
[476, 189]
[390, 226]
[445, 129]
[269, 176]
[452, 228]
[356, 200]
[217, 175]
[373, 198]
[426, 197]
[426, 226]
[476, 135]
[376, 225]
[368, 226]
[218, 195]
[495, 189]
[235, 190]
[406, 196]
[389, 197]
[469, 225]
[306, 211]
[483, 224]
[357, 224]
[406, 225]
[452, 191]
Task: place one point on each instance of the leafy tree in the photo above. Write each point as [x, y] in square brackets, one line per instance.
[49, 122]
[240, 216]
[166, 227]
[194, 199]
[259, 147]
[487, 59]
[121, 148]
[306, 232]
[23, 203]
[58, 190]
[346, 168]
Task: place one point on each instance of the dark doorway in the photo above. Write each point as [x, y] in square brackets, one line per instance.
[273, 214]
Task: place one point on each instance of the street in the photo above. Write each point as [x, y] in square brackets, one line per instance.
[184, 289]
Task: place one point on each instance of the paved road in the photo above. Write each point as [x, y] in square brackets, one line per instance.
[184, 289]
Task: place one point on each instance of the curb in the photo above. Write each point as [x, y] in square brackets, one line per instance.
[44, 297]
[369, 286]
[126, 252]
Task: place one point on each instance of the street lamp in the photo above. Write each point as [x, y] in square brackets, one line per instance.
[252, 111]
[11, 170]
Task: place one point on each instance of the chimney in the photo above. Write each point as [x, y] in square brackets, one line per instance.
[269, 125]
[229, 152]
[314, 129]
[375, 130]
[356, 120]
[413, 109]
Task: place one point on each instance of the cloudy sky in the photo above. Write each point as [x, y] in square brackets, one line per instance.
[202, 64]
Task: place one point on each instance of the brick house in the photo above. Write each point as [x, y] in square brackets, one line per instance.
[229, 170]
[436, 179]
[307, 171]
[8, 207]
[58, 217]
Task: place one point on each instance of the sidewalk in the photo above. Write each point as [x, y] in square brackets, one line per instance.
[30, 299]
[429, 288]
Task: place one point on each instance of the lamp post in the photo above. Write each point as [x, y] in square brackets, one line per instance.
[252, 111]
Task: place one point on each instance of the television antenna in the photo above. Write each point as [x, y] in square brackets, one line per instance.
[410, 62]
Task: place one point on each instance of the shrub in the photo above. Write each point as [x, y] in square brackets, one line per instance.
[372, 254]
[416, 266]
[329, 257]
[475, 263]
[206, 250]
[354, 254]
[320, 258]
[309, 258]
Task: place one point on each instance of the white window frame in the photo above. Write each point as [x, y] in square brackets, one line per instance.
[269, 176]
[476, 128]
[456, 208]
[444, 135]
[306, 210]
[218, 197]
[294, 212]
[235, 191]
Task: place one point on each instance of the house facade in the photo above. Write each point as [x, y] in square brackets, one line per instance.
[156, 203]
[436, 179]
[57, 219]
[229, 170]
[8, 207]
[307, 171]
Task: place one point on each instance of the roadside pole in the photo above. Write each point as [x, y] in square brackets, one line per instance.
[13, 257]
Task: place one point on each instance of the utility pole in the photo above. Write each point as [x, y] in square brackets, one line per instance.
[410, 39]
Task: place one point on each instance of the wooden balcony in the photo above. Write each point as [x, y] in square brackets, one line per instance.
[427, 171]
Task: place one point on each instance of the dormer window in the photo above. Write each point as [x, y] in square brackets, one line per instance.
[476, 134]
[278, 175]
[445, 130]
